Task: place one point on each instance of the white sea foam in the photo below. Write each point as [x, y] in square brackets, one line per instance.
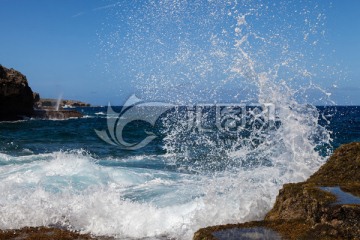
[99, 113]
[257, 53]
[71, 189]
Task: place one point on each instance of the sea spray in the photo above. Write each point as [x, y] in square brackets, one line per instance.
[58, 102]
[190, 54]
[252, 52]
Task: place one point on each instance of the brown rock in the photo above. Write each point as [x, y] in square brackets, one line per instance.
[300, 201]
[45, 233]
[343, 167]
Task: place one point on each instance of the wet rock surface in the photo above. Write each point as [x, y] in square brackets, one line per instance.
[45, 233]
[312, 209]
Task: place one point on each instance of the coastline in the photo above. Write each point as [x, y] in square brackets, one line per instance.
[310, 209]
[19, 102]
[318, 208]
[46, 233]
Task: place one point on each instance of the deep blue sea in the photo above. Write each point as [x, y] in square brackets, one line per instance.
[59, 172]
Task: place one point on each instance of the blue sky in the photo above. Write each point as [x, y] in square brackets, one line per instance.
[81, 49]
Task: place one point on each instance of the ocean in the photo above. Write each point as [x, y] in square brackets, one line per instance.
[228, 116]
[60, 173]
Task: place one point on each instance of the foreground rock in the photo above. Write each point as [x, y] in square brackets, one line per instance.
[16, 97]
[326, 206]
[44, 233]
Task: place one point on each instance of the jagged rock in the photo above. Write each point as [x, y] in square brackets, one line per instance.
[36, 97]
[326, 206]
[16, 97]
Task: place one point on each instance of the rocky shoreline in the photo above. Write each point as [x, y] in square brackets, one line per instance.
[43, 233]
[326, 206]
[63, 103]
[18, 101]
[55, 114]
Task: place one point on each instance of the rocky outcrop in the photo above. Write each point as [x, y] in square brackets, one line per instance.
[342, 168]
[47, 109]
[36, 97]
[51, 103]
[16, 97]
[56, 114]
[326, 206]
[17, 100]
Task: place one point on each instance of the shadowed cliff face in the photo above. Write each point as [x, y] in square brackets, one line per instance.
[17, 100]
[16, 97]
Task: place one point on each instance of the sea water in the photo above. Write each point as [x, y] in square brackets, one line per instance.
[60, 173]
[190, 55]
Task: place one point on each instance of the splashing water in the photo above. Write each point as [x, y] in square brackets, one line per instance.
[188, 52]
[58, 102]
[249, 51]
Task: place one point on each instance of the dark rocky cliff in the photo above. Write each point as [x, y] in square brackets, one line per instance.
[17, 100]
[16, 97]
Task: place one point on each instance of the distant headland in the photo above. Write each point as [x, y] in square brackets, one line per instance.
[18, 101]
[60, 103]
